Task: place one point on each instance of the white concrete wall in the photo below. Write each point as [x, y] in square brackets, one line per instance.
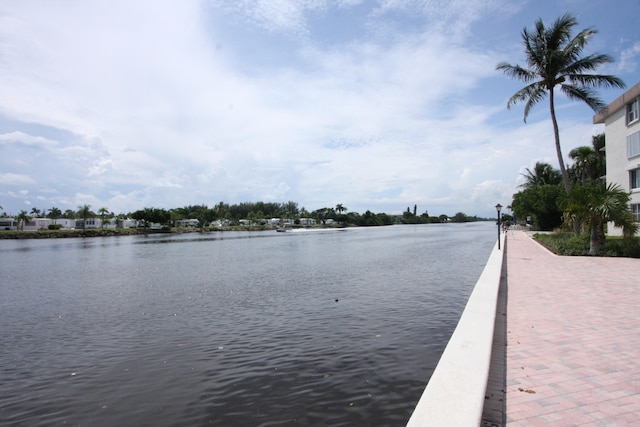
[618, 164]
[455, 393]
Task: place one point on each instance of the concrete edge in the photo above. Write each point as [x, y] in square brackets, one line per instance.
[455, 393]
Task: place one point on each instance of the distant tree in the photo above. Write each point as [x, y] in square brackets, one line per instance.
[554, 59]
[84, 212]
[54, 213]
[323, 214]
[69, 214]
[23, 218]
[290, 209]
[152, 215]
[459, 217]
[104, 213]
[36, 212]
[371, 219]
[443, 218]
[542, 203]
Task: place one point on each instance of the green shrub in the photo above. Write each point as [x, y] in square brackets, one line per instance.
[626, 247]
[569, 244]
[55, 226]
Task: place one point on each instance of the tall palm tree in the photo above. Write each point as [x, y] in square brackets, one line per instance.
[542, 174]
[554, 59]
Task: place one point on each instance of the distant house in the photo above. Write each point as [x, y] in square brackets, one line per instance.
[37, 224]
[622, 137]
[307, 221]
[65, 223]
[127, 223]
[188, 223]
[8, 224]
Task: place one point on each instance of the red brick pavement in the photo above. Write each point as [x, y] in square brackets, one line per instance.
[573, 338]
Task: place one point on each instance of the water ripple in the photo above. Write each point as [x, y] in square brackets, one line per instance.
[274, 329]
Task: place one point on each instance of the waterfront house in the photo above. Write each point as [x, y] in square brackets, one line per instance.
[621, 121]
[188, 223]
[8, 224]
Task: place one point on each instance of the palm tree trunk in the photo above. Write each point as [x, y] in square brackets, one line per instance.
[594, 240]
[563, 170]
[556, 135]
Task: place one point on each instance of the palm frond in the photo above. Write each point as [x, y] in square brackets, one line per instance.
[537, 95]
[532, 94]
[596, 81]
[587, 63]
[584, 94]
[516, 72]
[559, 34]
[575, 46]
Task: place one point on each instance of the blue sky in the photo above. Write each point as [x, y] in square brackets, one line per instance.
[377, 105]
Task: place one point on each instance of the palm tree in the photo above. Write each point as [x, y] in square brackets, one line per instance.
[55, 213]
[103, 212]
[340, 208]
[23, 218]
[589, 162]
[542, 174]
[84, 212]
[554, 60]
[595, 204]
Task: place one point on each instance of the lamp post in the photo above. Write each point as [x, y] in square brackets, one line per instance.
[498, 208]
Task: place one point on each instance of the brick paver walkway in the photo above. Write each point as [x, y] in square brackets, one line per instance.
[573, 338]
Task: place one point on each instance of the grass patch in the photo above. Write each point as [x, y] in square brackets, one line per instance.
[570, 244]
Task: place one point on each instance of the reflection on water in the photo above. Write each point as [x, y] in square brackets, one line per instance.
[235, 328]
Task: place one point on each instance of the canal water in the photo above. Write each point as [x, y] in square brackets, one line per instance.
[332, 327]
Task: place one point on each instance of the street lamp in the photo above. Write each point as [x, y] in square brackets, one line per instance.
[498, 208]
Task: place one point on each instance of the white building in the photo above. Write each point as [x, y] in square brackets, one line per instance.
[622, 137]
[187, 223]
[307, 221]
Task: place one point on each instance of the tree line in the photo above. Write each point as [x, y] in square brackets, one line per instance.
[255, 212]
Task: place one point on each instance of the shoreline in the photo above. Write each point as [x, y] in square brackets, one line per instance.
[93, 232]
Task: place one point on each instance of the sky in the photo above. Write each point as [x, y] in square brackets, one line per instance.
[375, 105]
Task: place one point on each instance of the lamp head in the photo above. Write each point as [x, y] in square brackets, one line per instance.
[498, 207]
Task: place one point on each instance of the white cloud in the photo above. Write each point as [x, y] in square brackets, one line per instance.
[15, 179]
[18, 137]
[628, 56]
[160, 104]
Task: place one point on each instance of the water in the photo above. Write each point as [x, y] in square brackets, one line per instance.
[336, 327]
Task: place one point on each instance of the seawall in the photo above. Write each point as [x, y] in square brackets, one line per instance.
[455, 394]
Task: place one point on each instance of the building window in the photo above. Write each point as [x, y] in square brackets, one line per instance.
[635, 210]
[634, 178]
[633, 145]
[632, 111]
